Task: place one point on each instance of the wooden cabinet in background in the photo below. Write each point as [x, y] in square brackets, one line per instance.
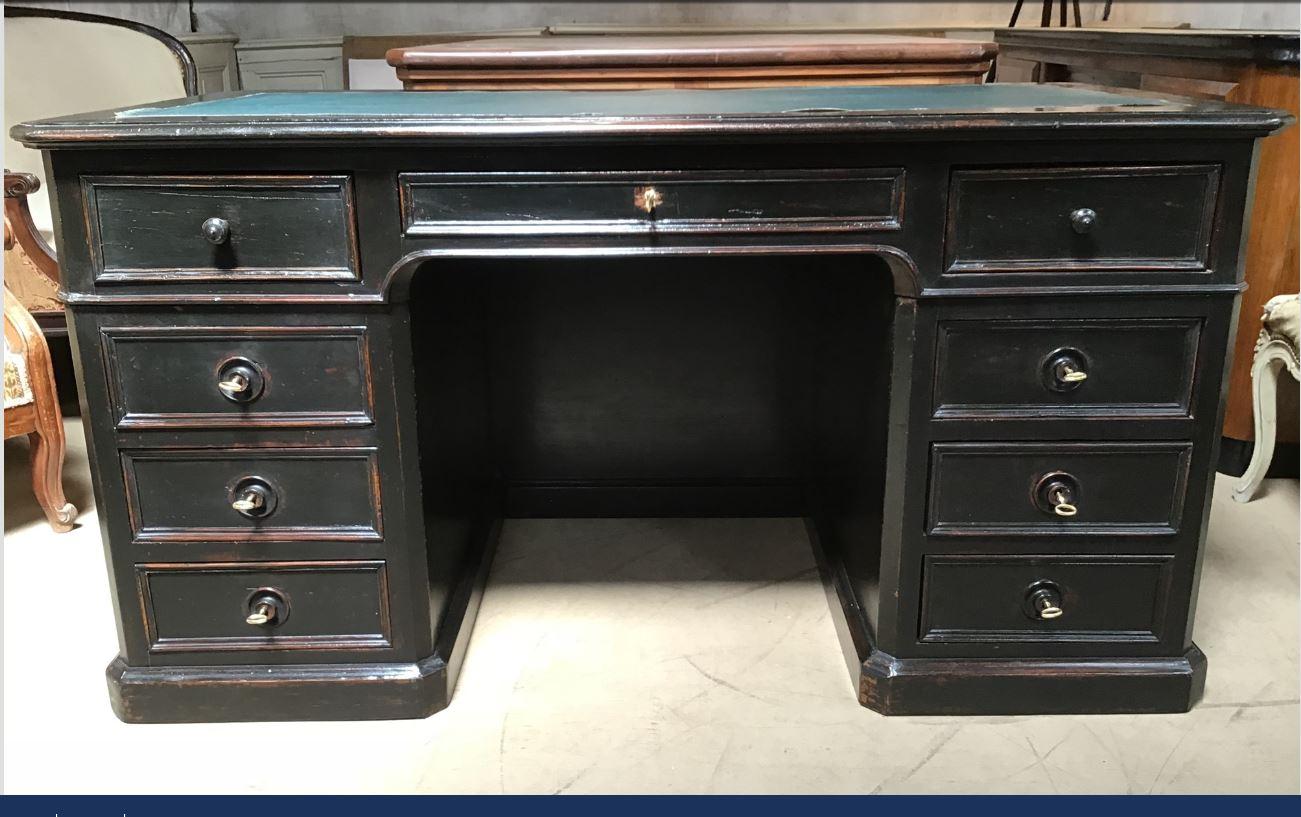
[635, 62]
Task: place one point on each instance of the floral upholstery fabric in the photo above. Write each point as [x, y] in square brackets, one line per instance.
[18, 389]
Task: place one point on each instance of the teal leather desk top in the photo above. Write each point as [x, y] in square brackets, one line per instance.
[762, 101]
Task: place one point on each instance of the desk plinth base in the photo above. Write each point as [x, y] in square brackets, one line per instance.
[313, 692]
[1080, 686]
[1001, 686]
[303, 692]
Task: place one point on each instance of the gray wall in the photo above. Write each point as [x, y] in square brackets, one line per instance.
[257, 20]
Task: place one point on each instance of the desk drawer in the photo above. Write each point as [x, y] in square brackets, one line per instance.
[238, 376]
[251, 606]
[1051, 368]
[171, 229]
[1081, 218]
[1044, 598]
[245, 495]
[1036, 488]
[689, 202]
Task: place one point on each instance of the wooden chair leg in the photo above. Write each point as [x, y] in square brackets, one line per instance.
[47, 477]
[1264, 377]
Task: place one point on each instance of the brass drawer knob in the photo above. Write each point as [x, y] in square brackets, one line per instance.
[216, 231]
[267, 608]
[647, 199]
[1083, 220]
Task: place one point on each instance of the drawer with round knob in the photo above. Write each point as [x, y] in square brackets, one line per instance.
[249, 606]
[989, 598]
[1067, 219]
[177, 229]
[1028, 369]
[238, 376]
[1113, 488]
[254, 494]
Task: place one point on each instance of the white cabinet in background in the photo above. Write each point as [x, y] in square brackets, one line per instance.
[214, 57]
[291, 65]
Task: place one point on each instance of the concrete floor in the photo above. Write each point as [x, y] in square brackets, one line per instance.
[649, 656]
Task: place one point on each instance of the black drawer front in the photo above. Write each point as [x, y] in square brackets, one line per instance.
[204, 607]
[189, 495]
[151, 229]
[1146, 217]
[706, 202]
[282, 377]
[994, 598]
[1050, 368]
[1010, 488]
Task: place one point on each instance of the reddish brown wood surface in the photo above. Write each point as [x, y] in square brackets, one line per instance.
[41, 419]
[716, 61]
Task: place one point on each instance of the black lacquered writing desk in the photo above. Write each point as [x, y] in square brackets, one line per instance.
[974, 335]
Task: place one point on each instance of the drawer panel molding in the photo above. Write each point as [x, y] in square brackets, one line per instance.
[294, 376]
[210, 606]
[1074, 219]
[1001, 489]
[758, 201]
[978, 598]
[178, 229]
[298, 494]
[1027, 369]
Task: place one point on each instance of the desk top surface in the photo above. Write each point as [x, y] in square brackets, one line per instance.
[387, 115]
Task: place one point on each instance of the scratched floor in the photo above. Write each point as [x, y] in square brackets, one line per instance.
[651, 656]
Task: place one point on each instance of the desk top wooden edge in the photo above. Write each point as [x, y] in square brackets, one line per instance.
[624, 51]
[996, 110]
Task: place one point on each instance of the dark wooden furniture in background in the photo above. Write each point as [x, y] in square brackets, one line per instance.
[377, 324]
[614, 61]
[1250, 67]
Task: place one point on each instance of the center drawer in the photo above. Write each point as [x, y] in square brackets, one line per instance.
[173, 229]
[636, 202]
[1043, 488]
[246, 495]
[318, 605]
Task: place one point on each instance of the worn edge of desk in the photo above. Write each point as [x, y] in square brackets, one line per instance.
[1181, 116]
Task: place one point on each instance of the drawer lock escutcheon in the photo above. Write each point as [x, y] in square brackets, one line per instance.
[1044, 601]
[647, 199]
[267, 608]
[240, 380]
[253, 497]
[1065, 370]
[1058, 493]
